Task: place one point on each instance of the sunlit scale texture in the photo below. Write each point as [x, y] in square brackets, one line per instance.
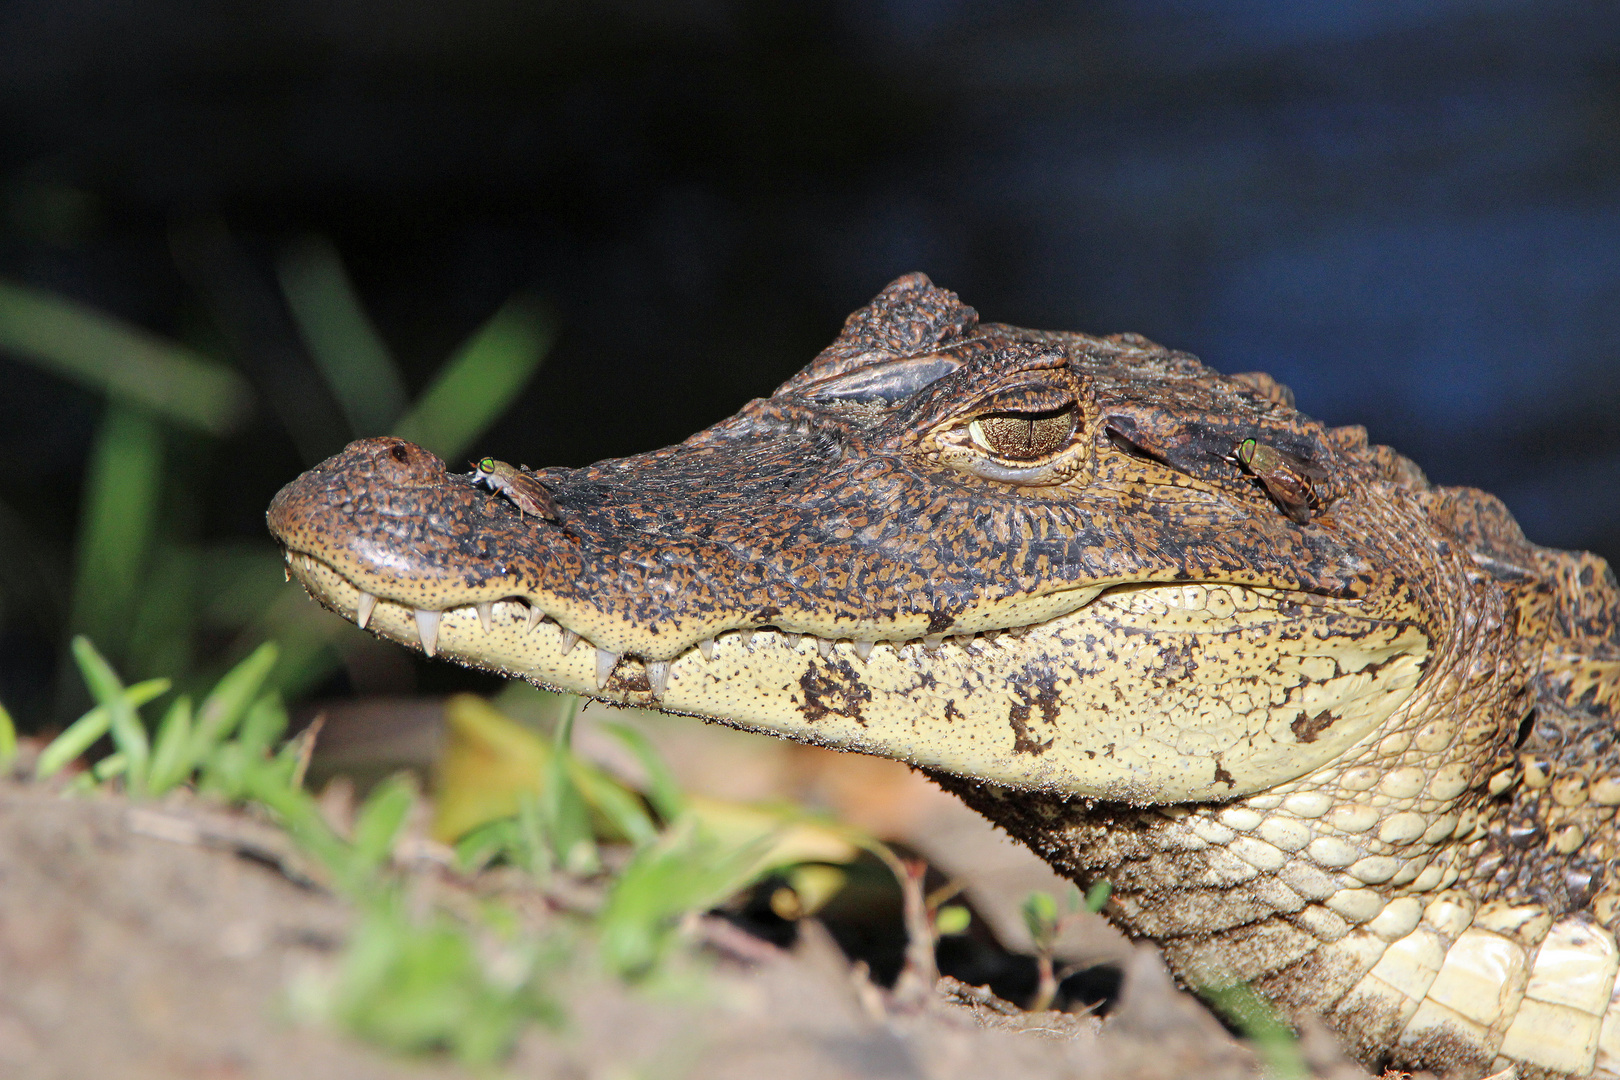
[1356, 749]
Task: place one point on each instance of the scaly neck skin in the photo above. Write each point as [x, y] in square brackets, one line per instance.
[1385, 890]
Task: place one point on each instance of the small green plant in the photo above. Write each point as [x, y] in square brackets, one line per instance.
[417, 985]
[228, 736]
[1046, 924]
[8, 742]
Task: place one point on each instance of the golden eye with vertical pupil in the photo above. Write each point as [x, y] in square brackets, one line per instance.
[1023, 436]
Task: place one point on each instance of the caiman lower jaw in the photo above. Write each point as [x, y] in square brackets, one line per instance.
[1148, 694]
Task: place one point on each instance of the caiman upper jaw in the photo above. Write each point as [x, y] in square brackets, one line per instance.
[1100, 689]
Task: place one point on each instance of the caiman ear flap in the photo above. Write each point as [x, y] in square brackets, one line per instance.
[911, 317]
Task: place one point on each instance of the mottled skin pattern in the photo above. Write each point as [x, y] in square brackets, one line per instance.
[1364, 761]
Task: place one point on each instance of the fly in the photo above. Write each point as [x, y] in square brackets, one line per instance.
[525, 492]
[1287, 477]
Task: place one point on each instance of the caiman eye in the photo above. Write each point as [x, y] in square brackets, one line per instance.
[1023, 436]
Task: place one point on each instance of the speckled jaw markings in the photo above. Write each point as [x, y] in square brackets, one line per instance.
[1159, 693]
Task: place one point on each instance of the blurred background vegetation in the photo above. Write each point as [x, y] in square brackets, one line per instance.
[234, 236]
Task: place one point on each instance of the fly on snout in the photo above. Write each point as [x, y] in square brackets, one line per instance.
[1286, 477]
[523, 490]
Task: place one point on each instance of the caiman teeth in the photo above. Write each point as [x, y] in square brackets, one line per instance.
[824, 647]
[793, 640]
[536, 617]
[657, 676]
[569, 640]
[933, 642]
[863, 649]
[605, 663]
[706, 647]
[427, 628]
[363, 609]
[485, 614]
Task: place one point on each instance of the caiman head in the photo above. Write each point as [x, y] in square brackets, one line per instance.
[1075, 578]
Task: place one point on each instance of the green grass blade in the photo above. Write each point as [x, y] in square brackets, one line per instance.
[662, 789]
[480, 381]
[1274, 1041]
[117, 518]
[114, 357]
[128, 733]
[171, 748]
[265, 722]
[80, 735]
[299, 815]
[8, 741]
[341, 338]
[379, 821]
[620, 808]
[225, 705]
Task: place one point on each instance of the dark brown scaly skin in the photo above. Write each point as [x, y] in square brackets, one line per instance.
[1355, 759]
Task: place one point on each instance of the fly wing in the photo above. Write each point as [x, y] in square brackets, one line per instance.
[1292, 493]
[531, 496]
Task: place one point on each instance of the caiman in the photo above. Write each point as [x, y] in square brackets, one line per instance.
[1327, 729]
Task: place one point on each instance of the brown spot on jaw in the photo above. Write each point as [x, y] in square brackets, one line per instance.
[1023, 741]
[1307, 728]
[833, 688]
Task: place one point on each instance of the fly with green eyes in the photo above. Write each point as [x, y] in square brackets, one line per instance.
[1287, 478]
[526, 493]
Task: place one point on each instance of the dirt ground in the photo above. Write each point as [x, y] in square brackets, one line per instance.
[160, 941]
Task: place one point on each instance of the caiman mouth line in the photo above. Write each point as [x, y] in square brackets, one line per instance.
[521, 614]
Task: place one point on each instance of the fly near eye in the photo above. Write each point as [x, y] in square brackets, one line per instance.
[1286, 477]
[1023, 436]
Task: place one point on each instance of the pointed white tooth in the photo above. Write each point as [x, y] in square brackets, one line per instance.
[363, 609]
[962, 639]
[793, 640]
[747, 637]
[569, 640]
[658, 677]
[863, 649]
[824, 647]
[536, 617]
[933, 641]
[706, 647]
[605, 663]
[486, 611]
[427, 628]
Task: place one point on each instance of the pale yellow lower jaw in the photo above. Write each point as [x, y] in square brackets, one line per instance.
[1152, 694]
